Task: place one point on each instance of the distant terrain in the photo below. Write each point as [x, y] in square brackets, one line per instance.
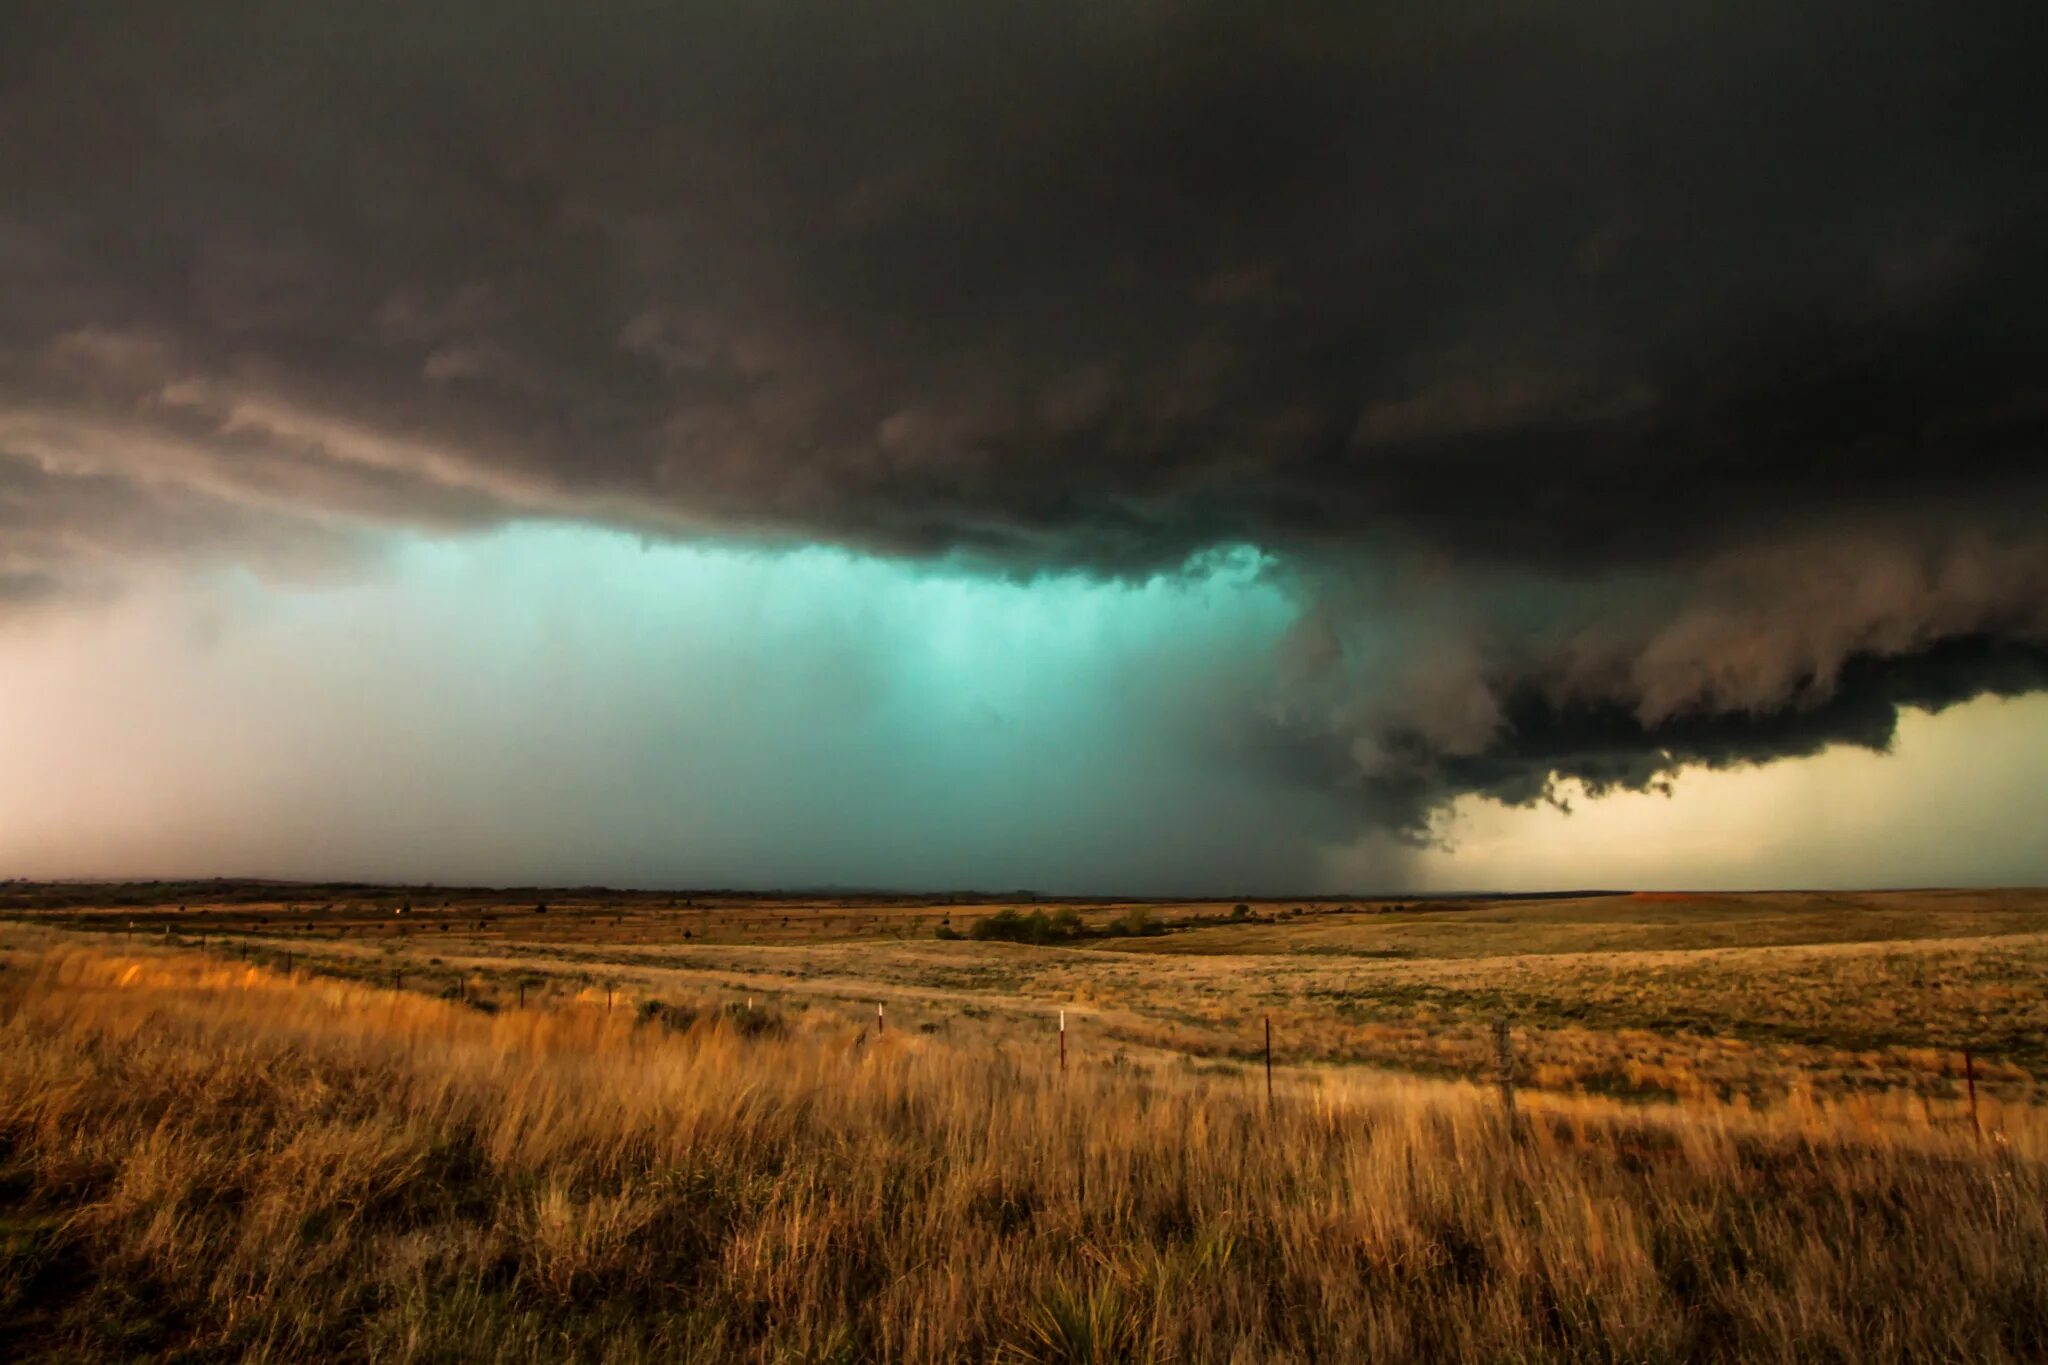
[1654, 995]
[247, 1119]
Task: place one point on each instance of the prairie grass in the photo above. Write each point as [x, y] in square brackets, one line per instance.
[212, 1160]
[1758, 996]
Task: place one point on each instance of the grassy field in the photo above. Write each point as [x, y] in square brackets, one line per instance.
[1757, 998]
[244, 1121]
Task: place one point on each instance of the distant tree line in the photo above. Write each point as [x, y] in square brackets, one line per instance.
[1064, 925]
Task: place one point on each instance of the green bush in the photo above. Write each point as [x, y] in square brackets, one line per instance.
[1015, 926]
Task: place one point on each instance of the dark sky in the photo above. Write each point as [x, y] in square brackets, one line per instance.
[1610, 388]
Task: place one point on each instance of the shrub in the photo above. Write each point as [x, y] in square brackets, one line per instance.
[663, 1013]
[1014, 926]
[754, 1022]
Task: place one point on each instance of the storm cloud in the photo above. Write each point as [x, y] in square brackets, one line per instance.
[1615, 388]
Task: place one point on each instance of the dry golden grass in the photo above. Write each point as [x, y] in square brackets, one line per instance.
[1705, 998]
[204, 1158]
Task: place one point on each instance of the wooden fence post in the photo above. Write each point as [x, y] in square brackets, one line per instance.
[879, 1025]
[522, 992]
[1063, 1042]
[397, 978]
[1504, 1057]
[1970, 1079]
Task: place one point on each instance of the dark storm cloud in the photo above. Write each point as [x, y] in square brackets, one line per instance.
[1550, 347]
[1605, 744]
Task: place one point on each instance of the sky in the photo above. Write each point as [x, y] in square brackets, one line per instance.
[1114, 447]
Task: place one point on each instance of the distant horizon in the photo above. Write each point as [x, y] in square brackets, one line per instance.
[979, 895]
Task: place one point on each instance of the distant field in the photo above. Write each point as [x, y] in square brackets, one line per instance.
[1651, 997]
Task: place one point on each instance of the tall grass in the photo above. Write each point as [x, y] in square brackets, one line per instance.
[210, 1159]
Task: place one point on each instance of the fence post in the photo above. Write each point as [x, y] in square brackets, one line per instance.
[397, 978]
[607, 997]
[1063, 1042]
[1269, 1064]
[287, 966]
[522, 992]
[1504, 1057]
[1970, 1079]
[879, 1025]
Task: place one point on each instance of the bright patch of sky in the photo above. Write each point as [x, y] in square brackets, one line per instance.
[561, 704]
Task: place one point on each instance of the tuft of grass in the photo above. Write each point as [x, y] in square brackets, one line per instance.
[1067, 1325]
